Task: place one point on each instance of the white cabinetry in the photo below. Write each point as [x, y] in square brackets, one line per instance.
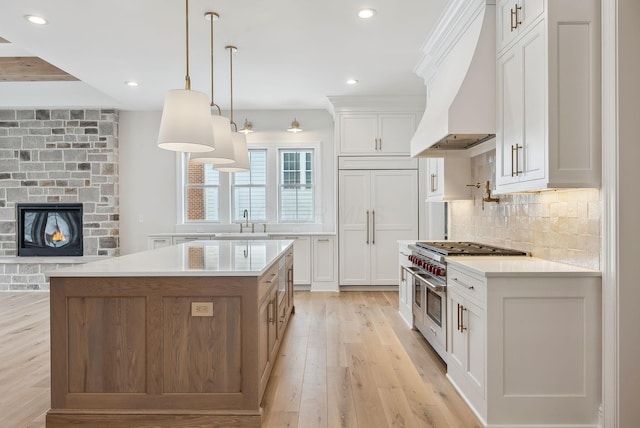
[376, 208]
[405, 285]
[449, 186]
[514, 17]
[302, 257]
[375, 133]
[548, 119]
[466, 359]
[324, 272]
[525, 340]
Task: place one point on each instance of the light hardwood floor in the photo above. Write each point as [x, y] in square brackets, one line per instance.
[347, 360]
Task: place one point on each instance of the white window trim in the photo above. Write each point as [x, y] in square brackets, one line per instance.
[273, 173]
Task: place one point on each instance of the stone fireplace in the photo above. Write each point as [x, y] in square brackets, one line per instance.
[49, 230]
[57, 156]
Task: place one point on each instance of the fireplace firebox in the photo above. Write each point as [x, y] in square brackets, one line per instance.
[49, 229]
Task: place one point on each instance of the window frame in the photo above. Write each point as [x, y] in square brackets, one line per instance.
[233, 186]
[272, 187]
[312, 184]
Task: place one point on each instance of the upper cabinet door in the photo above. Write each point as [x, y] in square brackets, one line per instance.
[395, 132]
[358, 133]
[509, 116]
[514, 17]
[375, 133]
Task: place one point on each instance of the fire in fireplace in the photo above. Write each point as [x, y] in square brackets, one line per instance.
[49, 229]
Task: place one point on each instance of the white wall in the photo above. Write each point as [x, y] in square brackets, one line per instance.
[149, 181]
[629, 206]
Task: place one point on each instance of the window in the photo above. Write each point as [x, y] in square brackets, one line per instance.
[296, 186]
[249, 189]
[202, 193]
[282, 186]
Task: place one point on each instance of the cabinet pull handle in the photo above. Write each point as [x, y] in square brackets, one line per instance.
[459, 317]
[518, 171]
[467, 286]
[290, 276]
[514, 14]
[373, 227]
[270, 281]
[379, 143]
[367, 227]
[462, 327]
[512, 160]
[434, 183]
[271, 312]
[323, 240]
[290, 237]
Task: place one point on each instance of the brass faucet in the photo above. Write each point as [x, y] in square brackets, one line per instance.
[487, 198]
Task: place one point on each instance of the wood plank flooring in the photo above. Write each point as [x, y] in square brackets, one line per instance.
[347, 360]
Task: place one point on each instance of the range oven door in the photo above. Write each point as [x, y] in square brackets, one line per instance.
[434, 313]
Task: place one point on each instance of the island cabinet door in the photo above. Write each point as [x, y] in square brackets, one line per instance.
[267, 340]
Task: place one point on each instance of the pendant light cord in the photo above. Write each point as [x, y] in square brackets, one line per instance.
[212, 17]
[187, 78]
[231, 49]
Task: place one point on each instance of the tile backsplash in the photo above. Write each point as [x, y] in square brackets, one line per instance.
[561, 225]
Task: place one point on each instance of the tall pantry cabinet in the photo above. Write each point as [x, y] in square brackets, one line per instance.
[376, 209]
[378, 185]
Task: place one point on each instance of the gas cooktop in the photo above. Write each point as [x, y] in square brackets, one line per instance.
[453, 248]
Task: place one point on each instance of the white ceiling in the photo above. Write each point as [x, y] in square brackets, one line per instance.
[292, 54]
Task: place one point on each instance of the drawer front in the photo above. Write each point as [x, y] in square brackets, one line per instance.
[468, 286]
[267, 281]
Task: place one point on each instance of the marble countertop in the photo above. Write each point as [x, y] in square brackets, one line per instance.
[196, 258]
[491, 266]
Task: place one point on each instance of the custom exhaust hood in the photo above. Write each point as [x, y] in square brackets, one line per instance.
[459, 69]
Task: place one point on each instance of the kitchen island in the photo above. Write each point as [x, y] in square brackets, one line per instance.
[181, 336]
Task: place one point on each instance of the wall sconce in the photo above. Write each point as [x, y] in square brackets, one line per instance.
[247, 128]
[295, 127]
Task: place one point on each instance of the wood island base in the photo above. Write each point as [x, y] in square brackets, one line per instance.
[166, 351]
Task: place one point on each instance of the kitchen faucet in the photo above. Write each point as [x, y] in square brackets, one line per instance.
[487, 187]
[245, 215]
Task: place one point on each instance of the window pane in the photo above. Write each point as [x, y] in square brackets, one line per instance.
[203, 203]
[252, 199]
[198, 173]
[202, 193]
[249, 189]
[296, 186]
[258, 169]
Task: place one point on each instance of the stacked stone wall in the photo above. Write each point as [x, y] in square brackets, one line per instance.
[60, 155]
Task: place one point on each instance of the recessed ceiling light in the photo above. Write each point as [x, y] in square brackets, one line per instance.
[131, 83]
[352, 82]
[35, 19]
[366, 13]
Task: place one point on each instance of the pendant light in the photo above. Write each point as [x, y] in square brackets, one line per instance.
[186, 122]
[224, 153]
[241, 151]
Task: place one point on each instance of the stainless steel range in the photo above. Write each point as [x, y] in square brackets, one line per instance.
[429, 274]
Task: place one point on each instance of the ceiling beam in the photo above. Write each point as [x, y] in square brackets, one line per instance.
[30, 69]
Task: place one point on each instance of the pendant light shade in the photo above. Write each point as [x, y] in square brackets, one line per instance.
[241, 163]
[224, 153]
[186, 125]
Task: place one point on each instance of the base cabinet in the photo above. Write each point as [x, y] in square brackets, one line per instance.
[405, 285]
[525, 348]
